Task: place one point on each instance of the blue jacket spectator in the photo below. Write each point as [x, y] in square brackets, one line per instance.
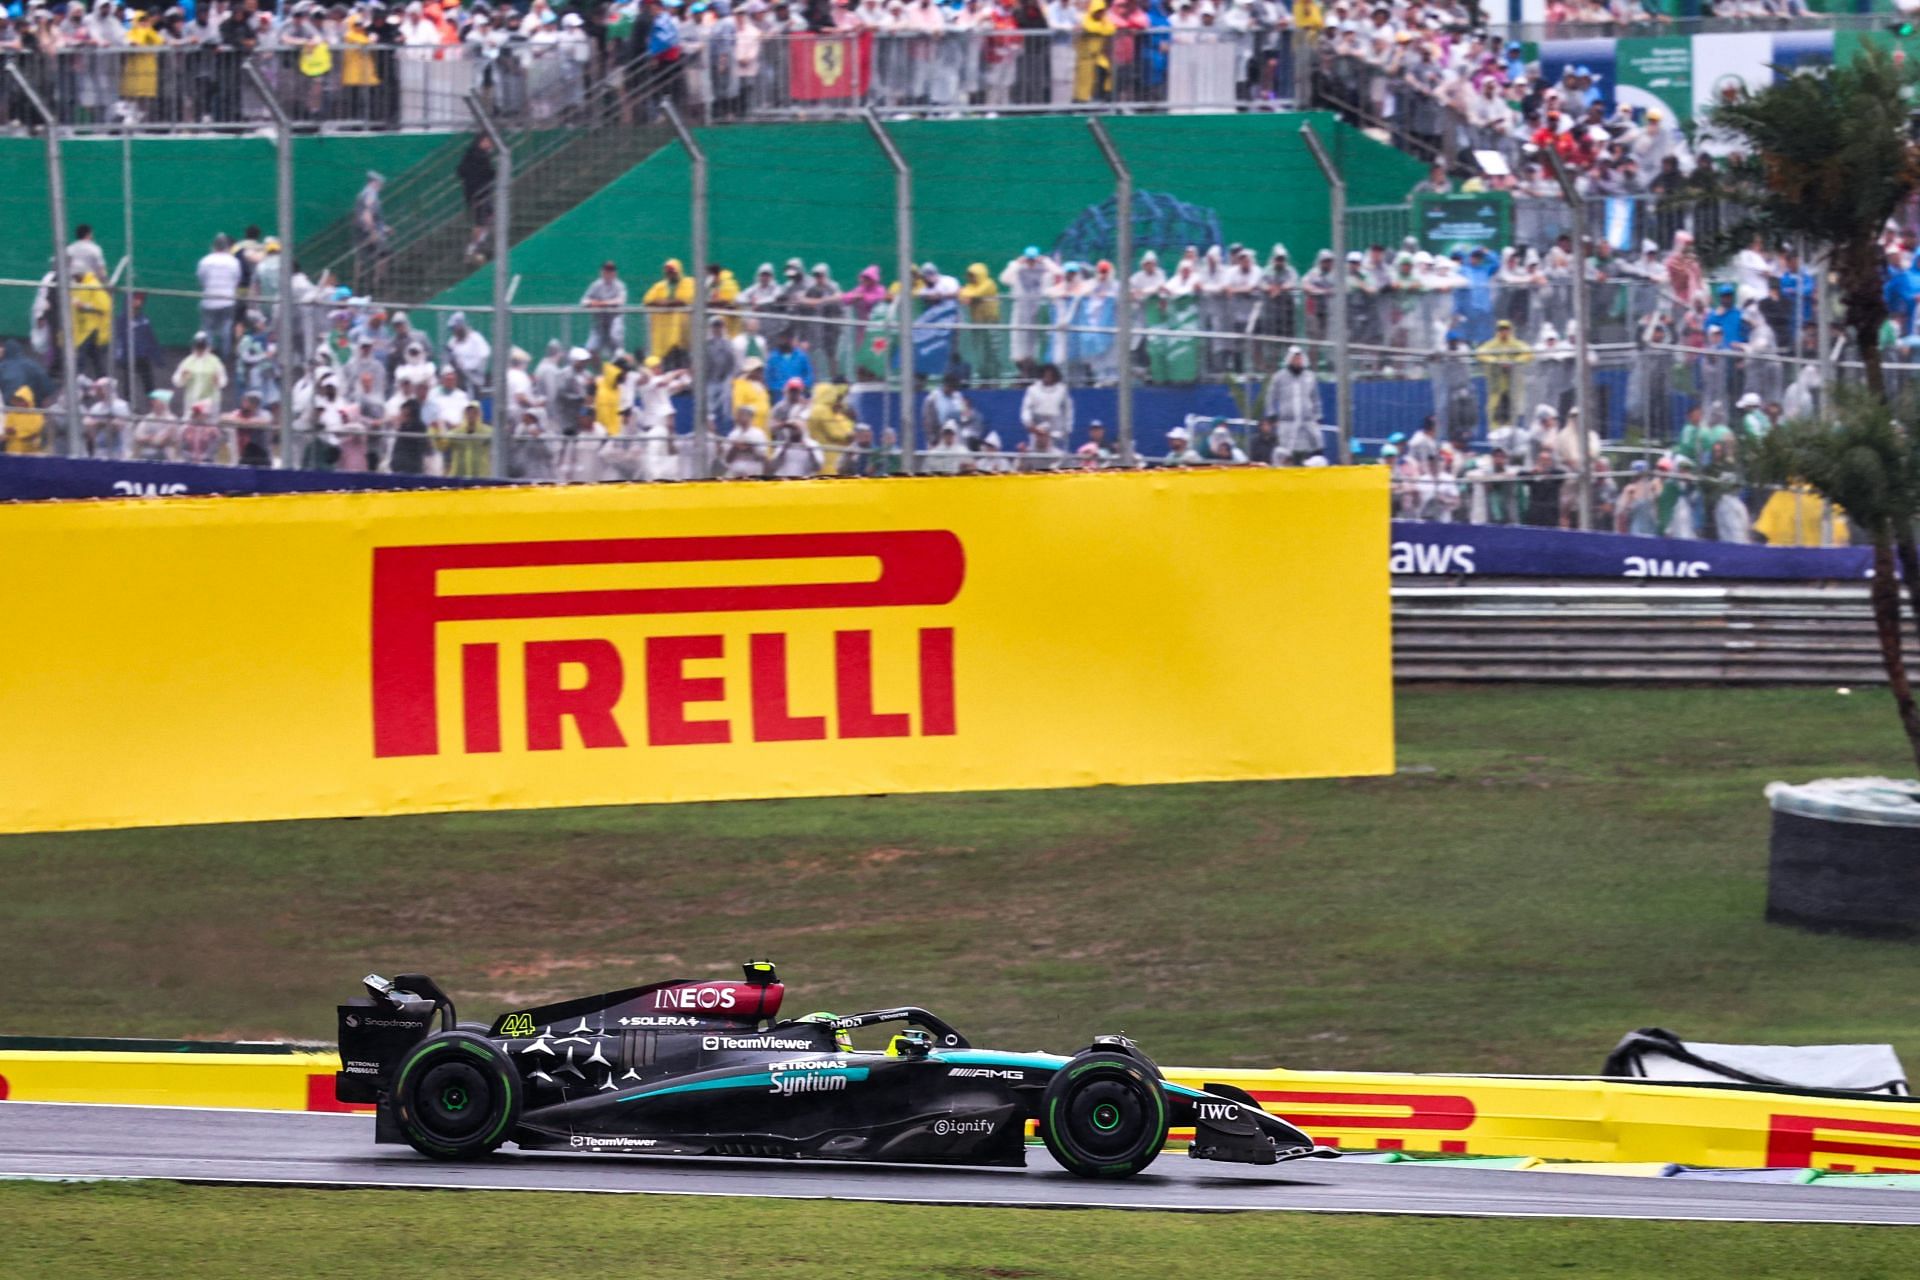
[788, 361]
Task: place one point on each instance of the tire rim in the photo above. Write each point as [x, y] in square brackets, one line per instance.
[1107, 1118]
[453, 1103]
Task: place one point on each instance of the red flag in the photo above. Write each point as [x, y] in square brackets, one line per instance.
[824, 67]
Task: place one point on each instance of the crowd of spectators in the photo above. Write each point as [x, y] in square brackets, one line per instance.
[340, 60]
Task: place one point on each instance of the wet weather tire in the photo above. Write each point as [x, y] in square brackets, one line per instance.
[1104, 1115]
[456, 1096]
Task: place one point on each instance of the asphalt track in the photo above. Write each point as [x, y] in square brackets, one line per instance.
[51, 1140]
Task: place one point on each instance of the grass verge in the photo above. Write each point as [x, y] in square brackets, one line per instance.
[1551, 868]
[76, 1232]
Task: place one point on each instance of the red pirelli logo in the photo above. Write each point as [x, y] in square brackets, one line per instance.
[1799, 1142]
[582, 680]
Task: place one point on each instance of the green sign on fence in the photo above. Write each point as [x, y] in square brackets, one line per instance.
[1446, 223]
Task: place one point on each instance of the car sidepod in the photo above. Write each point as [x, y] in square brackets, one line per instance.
[846, 1106]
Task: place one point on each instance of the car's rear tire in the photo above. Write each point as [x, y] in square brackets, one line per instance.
[1104, 1115]
[456, 1096]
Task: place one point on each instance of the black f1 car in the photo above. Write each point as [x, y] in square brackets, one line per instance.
[704, 1068]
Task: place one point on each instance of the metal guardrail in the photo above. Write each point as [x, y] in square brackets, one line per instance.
[201, 88]
[1568, 632]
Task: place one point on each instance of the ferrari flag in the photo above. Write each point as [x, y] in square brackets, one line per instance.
[370, 653]
[823, 68]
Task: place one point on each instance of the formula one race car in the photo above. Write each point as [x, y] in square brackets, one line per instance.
[703, 1068]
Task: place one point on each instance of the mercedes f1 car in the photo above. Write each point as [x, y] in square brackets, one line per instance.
[689, 1067]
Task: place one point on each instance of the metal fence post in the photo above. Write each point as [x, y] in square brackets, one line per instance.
[62, 278]
[290, 361]
[1823, 334]
[1581, 353]
[697, 344]
[134, 402]
[502, 247]
[1342, 354]
[902, 305]
[1123, 303]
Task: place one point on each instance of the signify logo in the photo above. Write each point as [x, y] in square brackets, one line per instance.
[584, 678]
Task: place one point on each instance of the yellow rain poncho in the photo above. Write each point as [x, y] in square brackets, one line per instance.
[667, 328]
[1092, 52]
[829, 424]
[981, 296]
[92, 312]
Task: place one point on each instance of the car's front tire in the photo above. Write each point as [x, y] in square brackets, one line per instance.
[1104, 1115]
[456, 1096]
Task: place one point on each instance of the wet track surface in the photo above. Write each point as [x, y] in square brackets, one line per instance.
[56, 1140]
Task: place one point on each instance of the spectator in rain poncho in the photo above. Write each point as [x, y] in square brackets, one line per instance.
[830, 423]
[1720, 496]
[533, 447]
[1293, 401]
[1030, 280]
[1674, 508]
[1280, 285]
[745, 453]
[1221, 446]
[1403, 305]
[1497, 495]
[1636, 511]
[1553, 369]
[948, 456]
[1179, 449]
[1802, 397]
[792, 456]
[1047, 404]
[980, 341]
[1501, 355]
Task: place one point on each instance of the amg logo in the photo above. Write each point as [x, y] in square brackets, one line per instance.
[752, 1042]
[787, 1083]
[583, 679]
[1219, 1110]
[986, 1073]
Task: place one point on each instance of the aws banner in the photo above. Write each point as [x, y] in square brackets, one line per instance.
[1520, 551]
[375, 653]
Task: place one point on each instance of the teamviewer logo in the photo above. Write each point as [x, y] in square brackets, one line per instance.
[583, 679]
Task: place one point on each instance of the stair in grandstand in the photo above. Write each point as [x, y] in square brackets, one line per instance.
[1743, 633]
[557, 163]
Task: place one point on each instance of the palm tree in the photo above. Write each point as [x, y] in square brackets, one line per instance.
[1865, 462]
[1826, 157]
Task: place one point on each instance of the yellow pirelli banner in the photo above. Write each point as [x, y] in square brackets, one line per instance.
[203, 660]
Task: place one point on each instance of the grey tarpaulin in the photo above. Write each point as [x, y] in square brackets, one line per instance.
[1652, 1053]
[1885, 802]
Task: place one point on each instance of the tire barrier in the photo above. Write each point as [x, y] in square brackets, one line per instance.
[1388, 1115]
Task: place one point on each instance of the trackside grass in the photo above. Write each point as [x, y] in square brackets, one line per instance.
[160, 1229]
[1552, 867]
